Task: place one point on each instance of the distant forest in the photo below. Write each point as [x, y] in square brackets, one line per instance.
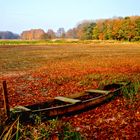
[119, 28]
[8, 35]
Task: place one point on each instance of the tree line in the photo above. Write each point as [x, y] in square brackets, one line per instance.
[8, 35]
[119, 28]
[127, 28]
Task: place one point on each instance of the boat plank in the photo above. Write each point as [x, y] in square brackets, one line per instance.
[66, 99]
[20, 108]
[97, 91]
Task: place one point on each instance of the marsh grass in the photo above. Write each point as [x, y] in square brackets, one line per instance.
[41, 130]
[11, 131]
[131, 91]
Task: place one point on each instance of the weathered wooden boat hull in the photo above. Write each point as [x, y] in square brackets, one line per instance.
[69, 108]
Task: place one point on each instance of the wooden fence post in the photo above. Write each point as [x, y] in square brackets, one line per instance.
[5, 98]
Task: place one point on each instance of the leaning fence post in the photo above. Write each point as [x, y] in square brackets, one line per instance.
[5, 97]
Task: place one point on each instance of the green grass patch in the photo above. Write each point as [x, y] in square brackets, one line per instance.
[130, 92]
[37, 42]
[53, 42]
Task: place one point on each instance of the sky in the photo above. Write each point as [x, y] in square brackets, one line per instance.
[20, 15]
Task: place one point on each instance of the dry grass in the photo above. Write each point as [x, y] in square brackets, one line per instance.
[107, 55]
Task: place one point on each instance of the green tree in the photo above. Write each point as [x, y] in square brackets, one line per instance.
[137, 37]
[89, 31]
[138, 26]
[96, 32]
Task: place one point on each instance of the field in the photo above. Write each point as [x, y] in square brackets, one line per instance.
[36, 73]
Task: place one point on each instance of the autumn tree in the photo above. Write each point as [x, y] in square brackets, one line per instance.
[137, 37]
[98, 30]
[51, 34]
[80, 31]
[71, 33]
[33, 34]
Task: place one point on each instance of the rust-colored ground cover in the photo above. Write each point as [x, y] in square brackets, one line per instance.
[37, 73]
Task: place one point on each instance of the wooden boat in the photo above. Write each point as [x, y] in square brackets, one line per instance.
[63, 105]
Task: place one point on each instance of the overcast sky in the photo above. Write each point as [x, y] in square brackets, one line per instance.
[19, 15]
